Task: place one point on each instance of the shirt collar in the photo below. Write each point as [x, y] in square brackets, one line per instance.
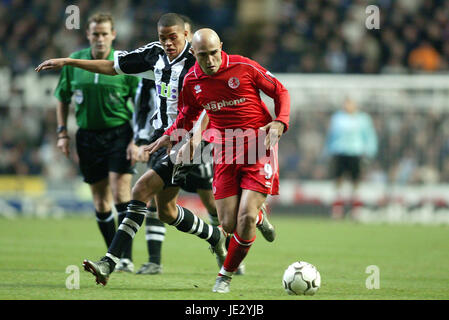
[224, 64]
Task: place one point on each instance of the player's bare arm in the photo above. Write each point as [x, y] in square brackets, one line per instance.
[63, 139]
[96, 66]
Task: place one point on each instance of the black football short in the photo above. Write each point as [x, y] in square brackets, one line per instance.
[160, 162]
[200, 176]
[349, 165]
[103, 151]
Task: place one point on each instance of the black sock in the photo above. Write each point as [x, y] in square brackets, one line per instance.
[121, 211]
[106, 224]
[155, 235]
[127, 230]
[190, 223]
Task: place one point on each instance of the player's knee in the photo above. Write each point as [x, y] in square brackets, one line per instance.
[245, 218]
[120, 187]
[228, 224]
[136, 191]
[229, 227]
[102, 205]
[141, 192]
[121, 196]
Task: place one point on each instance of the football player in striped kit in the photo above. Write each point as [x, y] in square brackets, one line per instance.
[166, 61]
[197, 180]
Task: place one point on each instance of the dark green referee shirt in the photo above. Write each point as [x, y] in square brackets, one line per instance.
[101, 101]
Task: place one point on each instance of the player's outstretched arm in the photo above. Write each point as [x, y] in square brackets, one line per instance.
[96, 66]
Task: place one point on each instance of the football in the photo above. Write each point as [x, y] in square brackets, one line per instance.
[301, 278]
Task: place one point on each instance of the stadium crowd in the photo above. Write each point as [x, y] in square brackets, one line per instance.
[331, 36]
[308, 37]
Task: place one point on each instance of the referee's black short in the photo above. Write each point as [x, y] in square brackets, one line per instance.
[103, 151]
[200, 176]
[350, 165]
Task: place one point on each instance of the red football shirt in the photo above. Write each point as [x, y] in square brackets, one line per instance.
[231, 97]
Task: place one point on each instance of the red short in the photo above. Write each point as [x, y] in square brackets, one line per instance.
[262, 176]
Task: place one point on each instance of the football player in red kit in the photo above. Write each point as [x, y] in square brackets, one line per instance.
[227, 87]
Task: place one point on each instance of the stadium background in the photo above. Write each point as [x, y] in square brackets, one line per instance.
[321, 50]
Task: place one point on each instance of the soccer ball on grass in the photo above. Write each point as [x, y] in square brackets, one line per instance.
[301, 278]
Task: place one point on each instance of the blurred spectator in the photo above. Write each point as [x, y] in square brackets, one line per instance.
[351, 138]
[424, 58]
[335, 58]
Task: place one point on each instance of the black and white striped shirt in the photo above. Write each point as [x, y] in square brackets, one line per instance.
[151, 62]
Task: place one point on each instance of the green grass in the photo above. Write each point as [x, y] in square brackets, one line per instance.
[413, 262]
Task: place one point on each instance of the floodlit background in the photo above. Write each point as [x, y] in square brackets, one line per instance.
[321, 50]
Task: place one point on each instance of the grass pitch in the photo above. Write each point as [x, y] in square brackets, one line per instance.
[413, 262]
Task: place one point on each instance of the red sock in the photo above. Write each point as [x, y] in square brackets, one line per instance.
[237, 250]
